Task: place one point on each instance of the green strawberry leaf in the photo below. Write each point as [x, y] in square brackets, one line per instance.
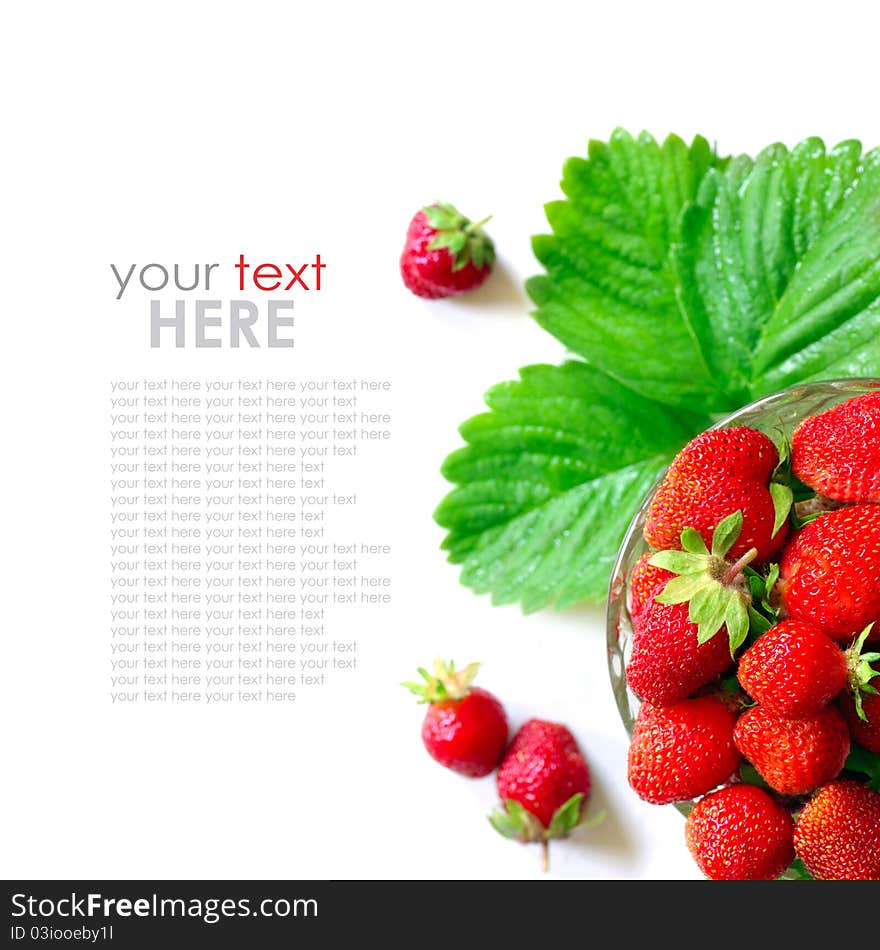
[549, 480]
[779, 267]
[610, 292]
[688, 285]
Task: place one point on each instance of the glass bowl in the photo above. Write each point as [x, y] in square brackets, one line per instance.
[785, 409]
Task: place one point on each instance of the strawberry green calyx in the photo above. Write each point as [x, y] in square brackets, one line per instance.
[783, 499]
[780, 482]
[812, 508]
[860, 672]
[465, 240]
[445, 683]
[515, 822]
[716, 590]
[762, 613]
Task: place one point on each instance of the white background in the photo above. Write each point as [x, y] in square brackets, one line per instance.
[183, 132]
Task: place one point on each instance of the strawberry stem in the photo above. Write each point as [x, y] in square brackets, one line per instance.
[735, 569]
[545, 855]
[473, 226]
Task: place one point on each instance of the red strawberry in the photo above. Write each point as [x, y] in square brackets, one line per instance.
[445, 253]
[793, 670]
[465, 727]
[644, 582]
[714, 475]
[837, 835]
[717, 591]
[830, 573]
[667, 663]
[837, 452]
[683, 750]
[740, 834]
[793, 756]
[864, 731]
[543, 783]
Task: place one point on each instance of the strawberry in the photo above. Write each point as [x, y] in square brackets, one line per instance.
[719, 472]
[830, 573]
[543, 783]
[683, 750]
[837, 452]
[865, 731]
[717, 592]
[465, 727]
[740, 833]
[691, 595]
[837, 835]
[793, 756]
[793, 670]
[645, 581]
[445, 253]
[667, 662]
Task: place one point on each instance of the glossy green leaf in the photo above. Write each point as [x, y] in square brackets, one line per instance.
[779, 268]
[549, 480]
[689, 285]
[610, 292]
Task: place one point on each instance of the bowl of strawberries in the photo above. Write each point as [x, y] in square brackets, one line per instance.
[744, 638]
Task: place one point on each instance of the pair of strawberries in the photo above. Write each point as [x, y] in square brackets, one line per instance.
[543, 779]
[800, 696]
